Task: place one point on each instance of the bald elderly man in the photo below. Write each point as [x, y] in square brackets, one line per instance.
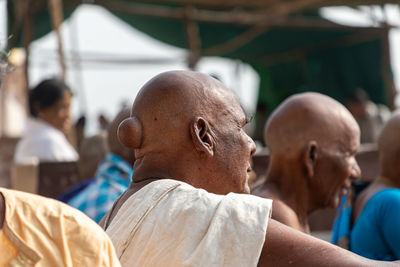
[188, 203]
[376, 213]
[312, 141]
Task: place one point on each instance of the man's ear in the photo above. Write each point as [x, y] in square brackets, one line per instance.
[310, 157]
[202, 137]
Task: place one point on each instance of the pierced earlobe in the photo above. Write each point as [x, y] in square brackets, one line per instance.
[310, 157]
[202, 138]
[130, 132]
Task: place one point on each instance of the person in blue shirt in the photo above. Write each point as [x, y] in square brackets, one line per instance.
[112, 177]
[374, 218]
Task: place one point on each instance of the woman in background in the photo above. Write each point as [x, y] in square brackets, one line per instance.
[44, 138]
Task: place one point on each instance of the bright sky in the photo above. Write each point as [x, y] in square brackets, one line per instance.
[3, 25]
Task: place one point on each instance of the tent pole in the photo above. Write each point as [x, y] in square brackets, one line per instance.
[76, 59]
[390, 88]
[27, 35]
[56, 13]
[193, 38]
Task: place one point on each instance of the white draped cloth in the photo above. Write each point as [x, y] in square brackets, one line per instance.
[170, 223]
[43, 142]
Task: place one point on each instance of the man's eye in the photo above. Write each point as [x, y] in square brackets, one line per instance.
[248, 119]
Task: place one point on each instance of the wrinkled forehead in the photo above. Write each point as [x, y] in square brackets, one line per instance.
[349, 122]
[231, 108]
[221, 99]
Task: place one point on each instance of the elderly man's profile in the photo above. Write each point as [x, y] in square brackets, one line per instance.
[312, 141]
[188, 203]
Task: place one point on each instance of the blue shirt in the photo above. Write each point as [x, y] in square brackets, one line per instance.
[376, 233]
[112, 178]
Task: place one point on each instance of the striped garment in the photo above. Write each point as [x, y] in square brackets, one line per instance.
[111, 180]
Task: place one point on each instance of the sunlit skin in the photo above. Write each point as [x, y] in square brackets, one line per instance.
[313, 141]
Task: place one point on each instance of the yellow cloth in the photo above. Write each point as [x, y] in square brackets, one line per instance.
[7, 252]
[170, 223]
[46, 232]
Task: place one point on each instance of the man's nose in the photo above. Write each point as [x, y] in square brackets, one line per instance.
[356, 171]
[252, 146]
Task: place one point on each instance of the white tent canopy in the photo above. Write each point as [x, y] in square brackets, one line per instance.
[116, 60]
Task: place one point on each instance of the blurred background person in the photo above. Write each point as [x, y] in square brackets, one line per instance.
[92, 152]
[369, 116]
[44, 137]
[112, 177]
[312, 157]
[375, 216]
[80, 126]
[103, 122]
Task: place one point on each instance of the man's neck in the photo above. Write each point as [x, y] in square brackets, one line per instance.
[153, 166]
[291, 189]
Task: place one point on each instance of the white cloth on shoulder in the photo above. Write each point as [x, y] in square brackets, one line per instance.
[170, 223]
[43, 142]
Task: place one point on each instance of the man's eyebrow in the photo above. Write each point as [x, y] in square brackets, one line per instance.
[249, 118]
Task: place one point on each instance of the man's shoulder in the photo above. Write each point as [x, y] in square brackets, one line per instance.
[40, 220]
[261, 191]
[285, 214]
[38, 209]
[171, 198]
[169, 213]
[181, 191]
[389, 198]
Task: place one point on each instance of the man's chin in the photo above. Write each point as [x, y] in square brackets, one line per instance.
[65, 129]
[332, 203]
[335, 201]
[246, 190]
[246, 187]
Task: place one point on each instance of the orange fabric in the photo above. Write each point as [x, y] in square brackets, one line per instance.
[8, 252]
[48, 233]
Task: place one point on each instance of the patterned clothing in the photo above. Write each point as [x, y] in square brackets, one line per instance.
[112, 179]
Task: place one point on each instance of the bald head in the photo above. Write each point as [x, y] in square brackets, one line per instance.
[306, 117]
[168, 102]
[389, 148]
[187, 126]
[313, 140]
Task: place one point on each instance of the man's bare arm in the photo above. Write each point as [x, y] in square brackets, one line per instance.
[285, 246]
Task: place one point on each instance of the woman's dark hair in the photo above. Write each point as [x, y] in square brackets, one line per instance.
[46, 94]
